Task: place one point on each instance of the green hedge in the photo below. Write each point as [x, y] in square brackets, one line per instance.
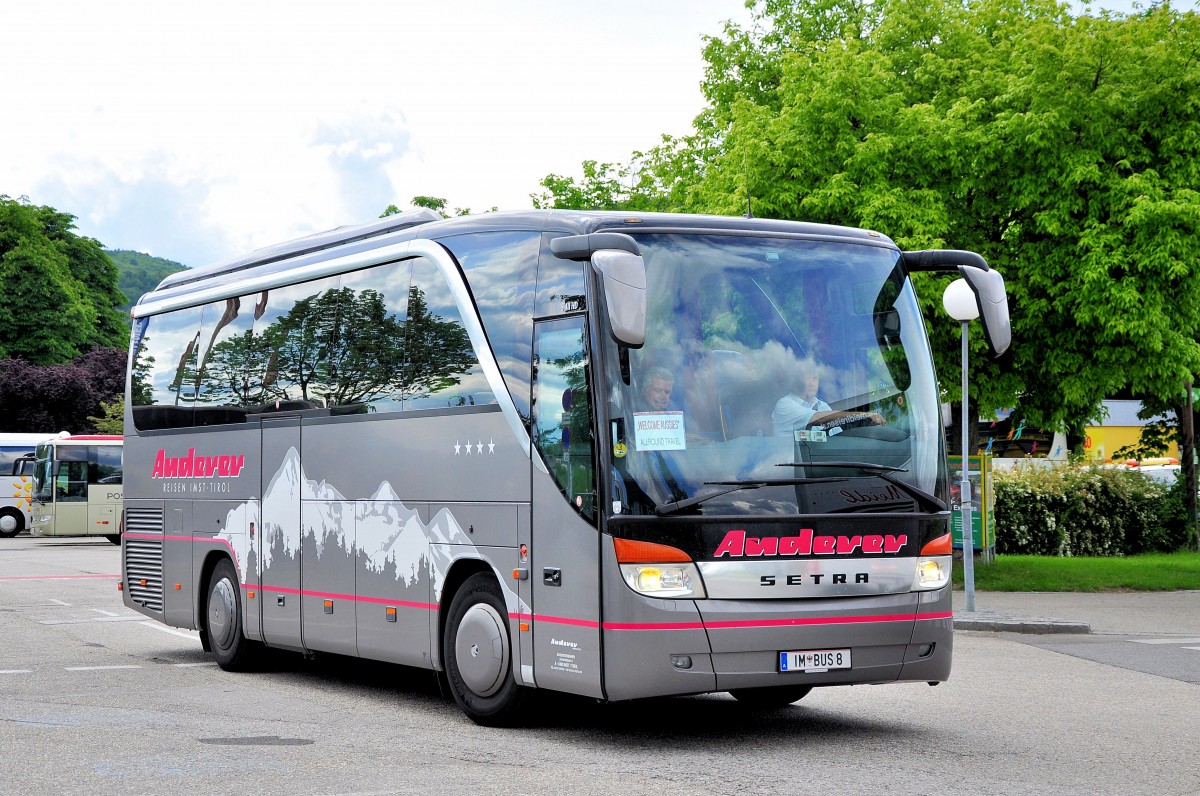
[1086, 511]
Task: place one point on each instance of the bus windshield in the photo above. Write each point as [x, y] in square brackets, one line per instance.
[779, 376]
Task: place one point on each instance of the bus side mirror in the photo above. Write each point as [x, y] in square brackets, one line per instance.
[623, 276]
[986, 284]
[988, 287]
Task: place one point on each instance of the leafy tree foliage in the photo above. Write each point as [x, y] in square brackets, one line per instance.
[1064, 149]
[112, 417]
[44, 317]
[58, 290]
[59, 397]
[433, 203]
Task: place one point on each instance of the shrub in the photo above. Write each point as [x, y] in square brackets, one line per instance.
[1085, 511]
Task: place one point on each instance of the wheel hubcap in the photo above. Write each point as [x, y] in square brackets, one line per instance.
[221, 613]
[8, 523]
[481, 649]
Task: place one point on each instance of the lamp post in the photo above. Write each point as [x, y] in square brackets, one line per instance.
[961, 305]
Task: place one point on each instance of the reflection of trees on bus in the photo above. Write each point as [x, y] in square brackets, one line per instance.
[336, 348]
[141, 392]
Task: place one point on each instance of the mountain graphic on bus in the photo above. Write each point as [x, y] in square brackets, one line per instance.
[388, 541]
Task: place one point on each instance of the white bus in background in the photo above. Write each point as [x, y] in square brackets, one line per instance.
[77, 487]
[16, 466]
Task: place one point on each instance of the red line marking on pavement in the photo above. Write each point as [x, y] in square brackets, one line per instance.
[54, 577]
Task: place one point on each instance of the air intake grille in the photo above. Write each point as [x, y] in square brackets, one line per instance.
[144, 557]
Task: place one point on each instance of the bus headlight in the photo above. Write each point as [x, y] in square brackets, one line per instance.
[658, 570]
[664, 580]
[934, 565]
[933, 572]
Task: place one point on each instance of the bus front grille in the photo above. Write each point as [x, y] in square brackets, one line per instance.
[144, 557]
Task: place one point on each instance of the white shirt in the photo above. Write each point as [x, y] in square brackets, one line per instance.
[792, 412]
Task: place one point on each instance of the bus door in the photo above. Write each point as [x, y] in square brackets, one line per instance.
[279, 549]
[71, 491]
[564, 566]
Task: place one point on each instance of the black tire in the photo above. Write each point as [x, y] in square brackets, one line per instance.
[477, 655]
[223, 620]
[772, 697]
[115, 538]
[10, 516]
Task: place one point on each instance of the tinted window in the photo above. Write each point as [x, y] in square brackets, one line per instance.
[104, 464]
[294, 330]
[560, 286]
[501, 268]
[232, 361]
[562, 410]
[163, 382]
[367, 352]
[440, 368]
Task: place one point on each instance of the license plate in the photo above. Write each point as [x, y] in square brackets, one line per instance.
[814, 660]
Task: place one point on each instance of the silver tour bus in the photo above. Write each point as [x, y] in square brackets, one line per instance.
[612, 455]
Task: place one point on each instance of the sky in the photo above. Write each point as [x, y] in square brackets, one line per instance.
[201, 131]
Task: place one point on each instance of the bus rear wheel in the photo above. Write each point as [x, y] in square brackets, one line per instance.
[779, 696]
[12, 522]
[223, 620]
[477, 655]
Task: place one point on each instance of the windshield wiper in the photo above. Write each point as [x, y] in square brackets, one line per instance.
[670, 507]
[881, 471]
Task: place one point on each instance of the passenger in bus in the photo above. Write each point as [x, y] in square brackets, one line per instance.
[801, 408]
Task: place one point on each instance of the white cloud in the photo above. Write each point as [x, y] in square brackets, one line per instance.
[200, 131]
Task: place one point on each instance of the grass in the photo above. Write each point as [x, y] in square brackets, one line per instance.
[1155, 572]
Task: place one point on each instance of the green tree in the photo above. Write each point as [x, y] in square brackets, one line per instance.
[44, 317]
[1064, 149]
[433, 203]
[58, 294]
[112, 417]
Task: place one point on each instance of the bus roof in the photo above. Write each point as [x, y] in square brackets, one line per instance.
[426, 224]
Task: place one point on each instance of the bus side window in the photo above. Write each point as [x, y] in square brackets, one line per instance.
[560, 283]
[562, 409]
[293, 333]
[163, 377]
[501, 268]
[71, 483]
[104, 465]
[441, 367]
[229, 362]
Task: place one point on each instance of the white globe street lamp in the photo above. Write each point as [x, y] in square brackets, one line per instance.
[961, 305]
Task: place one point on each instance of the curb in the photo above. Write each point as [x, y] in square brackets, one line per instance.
[1012, 624]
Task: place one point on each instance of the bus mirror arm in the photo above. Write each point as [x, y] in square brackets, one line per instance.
[582, 247]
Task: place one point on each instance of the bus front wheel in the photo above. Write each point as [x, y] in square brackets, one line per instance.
[779, 696]
[12, 522]
[223, 620]
[477, 654]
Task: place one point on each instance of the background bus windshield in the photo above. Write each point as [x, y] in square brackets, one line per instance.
[765, 353]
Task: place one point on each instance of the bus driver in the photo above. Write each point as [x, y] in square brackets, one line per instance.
[801, 409]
